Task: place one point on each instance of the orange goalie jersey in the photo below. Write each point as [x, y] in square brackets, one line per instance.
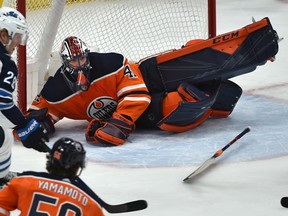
[42, 194]
[116, 85]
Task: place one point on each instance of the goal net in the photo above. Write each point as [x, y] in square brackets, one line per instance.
[134, 28]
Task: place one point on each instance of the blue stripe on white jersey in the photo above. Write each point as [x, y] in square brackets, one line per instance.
[6, 99]
[5, 163]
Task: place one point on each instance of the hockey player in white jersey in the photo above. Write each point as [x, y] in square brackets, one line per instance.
[14, 32]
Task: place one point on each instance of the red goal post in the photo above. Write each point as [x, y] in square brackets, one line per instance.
[135, 28]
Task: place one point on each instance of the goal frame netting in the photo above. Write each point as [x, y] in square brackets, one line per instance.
[22, 63]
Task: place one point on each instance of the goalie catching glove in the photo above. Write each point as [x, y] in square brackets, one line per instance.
[113, 131]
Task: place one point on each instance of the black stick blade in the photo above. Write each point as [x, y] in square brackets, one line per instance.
[126, 207]
[137, 205]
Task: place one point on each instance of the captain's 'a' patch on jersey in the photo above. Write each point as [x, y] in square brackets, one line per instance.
[128, 72]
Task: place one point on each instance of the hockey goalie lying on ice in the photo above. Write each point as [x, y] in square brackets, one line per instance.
[175, 91]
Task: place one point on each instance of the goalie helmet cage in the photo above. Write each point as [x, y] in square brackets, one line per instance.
[134, 28]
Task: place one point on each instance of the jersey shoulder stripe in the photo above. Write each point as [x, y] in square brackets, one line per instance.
[103, 64]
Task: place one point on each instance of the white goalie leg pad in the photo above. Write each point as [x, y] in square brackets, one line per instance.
[5, 152]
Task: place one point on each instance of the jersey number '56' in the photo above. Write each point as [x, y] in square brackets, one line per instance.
[63, 210]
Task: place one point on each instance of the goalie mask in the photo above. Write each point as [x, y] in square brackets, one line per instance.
[76, 64]
[67, 154]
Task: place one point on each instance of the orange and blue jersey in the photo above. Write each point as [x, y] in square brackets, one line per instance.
[42, 193]
[115, 85]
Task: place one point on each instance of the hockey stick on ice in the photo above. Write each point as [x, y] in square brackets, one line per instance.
[124, 207]
[120, 208]
[211, 160]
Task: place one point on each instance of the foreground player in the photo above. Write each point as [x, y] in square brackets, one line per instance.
[58, 192]
[173, 91]
[13, 32]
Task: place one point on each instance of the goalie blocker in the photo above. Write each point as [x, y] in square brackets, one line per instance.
[191, 84]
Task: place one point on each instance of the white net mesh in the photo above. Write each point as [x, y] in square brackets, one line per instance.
[134, 28]
[137, 28]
